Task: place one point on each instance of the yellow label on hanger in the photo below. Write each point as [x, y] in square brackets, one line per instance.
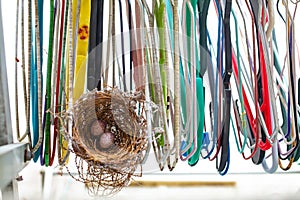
[82, 48]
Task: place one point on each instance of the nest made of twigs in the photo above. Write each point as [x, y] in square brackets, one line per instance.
[113, 153]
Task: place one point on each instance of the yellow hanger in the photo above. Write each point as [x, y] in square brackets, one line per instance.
[82, 47]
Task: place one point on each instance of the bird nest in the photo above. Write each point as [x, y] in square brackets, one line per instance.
[109, 138]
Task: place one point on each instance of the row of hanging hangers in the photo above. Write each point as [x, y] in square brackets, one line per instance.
[207, 68]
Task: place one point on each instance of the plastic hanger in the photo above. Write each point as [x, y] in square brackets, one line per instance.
[256, 154]
[225, 149]
[172, 24]
[39, 54]
[63, 143]
[187, 6]
[217, 105]
[161, 139]
[159, 13]
[264, 99]
[139, 33]
[198, 116]
[216, 95]
[293, 44]
[201, 69]
[81, 48]
[275, 127]
[142, 70]
[184, 90]
[213, 137]
[290, 61]
[95, 45]
[33, 88]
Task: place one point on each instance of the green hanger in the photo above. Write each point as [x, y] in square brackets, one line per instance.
[48, 87]
[159, 13]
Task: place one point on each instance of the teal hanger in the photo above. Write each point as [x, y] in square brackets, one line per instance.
[34, 93]
[199, 87]
[40, 14]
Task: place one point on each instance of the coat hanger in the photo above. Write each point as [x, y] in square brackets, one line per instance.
[108, 47]
[70, 67]
[32, 91]
[221, 141]
[81, 43]
[200, 70]
[294, 44]
[46, 159]
[264, 99]
[213, 135]
[58, 79]
[254, 129]
[216, 95]
[238, 80]
[290, 61]
[62, 143]
[131, 27]
[161, 138]
[222, 134]
[37, 99]
[174, 102]
[275, 127]
[95, 44]
[278, 11]
[138, 72]
[159, 14]
[271, 90]
[140, 24]
[191, 146]
[225, 151]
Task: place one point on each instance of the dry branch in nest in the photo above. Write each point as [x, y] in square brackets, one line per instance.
[109, 138]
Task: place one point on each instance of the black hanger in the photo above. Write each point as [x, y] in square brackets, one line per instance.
[130, 38]
[92, 44]
[202, 14]
[225, 152]
[95, 45]
[122, 43]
